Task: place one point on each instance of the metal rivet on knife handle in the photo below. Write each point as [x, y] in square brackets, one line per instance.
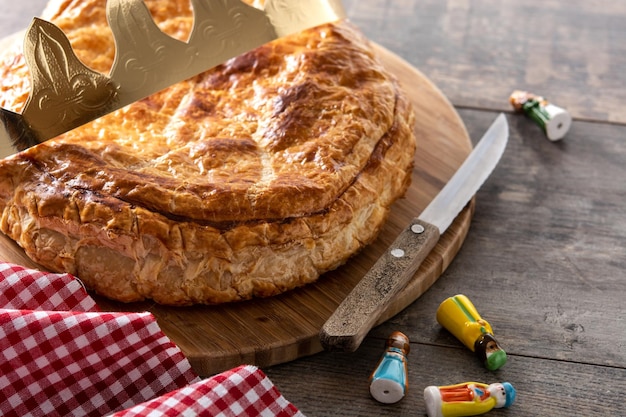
[417, 228]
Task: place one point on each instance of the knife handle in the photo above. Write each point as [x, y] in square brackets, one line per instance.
[361, 309]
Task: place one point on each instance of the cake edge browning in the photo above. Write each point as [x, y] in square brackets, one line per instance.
[137, 254]
[129, 251]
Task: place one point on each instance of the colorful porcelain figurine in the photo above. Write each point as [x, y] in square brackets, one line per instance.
[554, 120]
[459, 316]
[389, 381]
[467, 399]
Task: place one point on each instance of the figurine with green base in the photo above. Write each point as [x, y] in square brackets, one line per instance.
[467, 399]
[459, 316]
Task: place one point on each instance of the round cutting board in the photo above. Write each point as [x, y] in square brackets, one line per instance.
[279, 329]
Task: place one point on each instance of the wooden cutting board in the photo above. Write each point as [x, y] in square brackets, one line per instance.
[270, 331]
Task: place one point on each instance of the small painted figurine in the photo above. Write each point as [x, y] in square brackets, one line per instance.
[553, 120]
[389, 381]
[467, 399]
[459, 316]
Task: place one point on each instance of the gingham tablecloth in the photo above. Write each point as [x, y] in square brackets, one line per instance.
[243, 391]
[61, 356]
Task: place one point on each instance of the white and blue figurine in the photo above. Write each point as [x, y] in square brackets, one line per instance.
[389, 381]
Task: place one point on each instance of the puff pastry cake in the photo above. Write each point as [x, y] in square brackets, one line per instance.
[245, 181]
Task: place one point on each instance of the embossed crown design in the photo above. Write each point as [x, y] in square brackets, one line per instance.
[65, 93]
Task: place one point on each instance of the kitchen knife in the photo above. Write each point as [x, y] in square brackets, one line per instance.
[66, 93]
[360, 310]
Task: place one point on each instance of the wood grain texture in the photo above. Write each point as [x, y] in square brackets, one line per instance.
[279, 329]
[478, 52]
[544, 387]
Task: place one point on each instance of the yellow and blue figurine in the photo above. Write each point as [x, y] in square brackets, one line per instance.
[467, 399]
[389, 381]
[459, 316]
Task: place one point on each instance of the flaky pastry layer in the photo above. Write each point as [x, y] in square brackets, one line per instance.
[245, 181]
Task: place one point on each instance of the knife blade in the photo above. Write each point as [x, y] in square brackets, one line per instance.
[360, 310]
[66, 93]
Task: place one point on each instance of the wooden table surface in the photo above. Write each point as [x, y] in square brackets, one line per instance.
[545, 258]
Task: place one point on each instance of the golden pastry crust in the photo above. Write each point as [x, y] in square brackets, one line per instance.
[248, 180]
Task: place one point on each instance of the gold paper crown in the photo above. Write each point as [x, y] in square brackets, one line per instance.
[65, 93]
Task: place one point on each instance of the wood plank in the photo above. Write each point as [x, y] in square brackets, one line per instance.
[544, 387]
[478, 52]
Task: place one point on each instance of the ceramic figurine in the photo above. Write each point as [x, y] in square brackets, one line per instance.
[467, 399]
[554, 120]
[389, 381]
[459, 316]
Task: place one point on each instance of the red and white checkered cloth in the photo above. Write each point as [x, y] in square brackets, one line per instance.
[243, 391]
[60, 355]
